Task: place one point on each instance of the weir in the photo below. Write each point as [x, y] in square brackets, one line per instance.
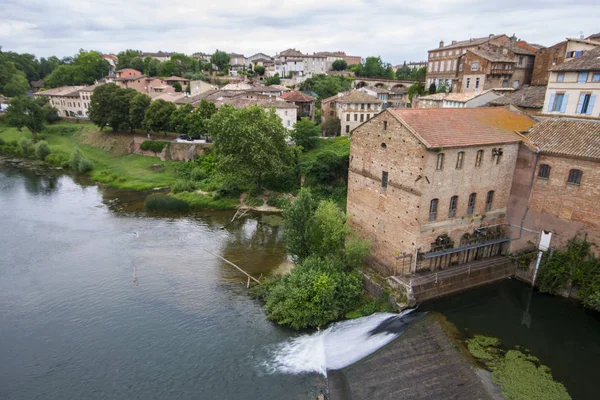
[385, 356]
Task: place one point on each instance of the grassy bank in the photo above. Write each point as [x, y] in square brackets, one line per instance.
[112, 165]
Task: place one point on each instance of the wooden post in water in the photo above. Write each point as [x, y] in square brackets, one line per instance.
[235, 266]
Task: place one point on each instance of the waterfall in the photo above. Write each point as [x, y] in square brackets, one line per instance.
[338, 346]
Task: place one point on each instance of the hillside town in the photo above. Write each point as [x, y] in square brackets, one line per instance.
[475, 165]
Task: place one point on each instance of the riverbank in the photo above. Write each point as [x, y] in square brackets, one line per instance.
[193, 182]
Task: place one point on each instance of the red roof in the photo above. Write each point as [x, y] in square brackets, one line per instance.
[297, 97]
[459, 127]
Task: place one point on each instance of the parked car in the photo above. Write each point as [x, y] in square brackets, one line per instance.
[183, 136]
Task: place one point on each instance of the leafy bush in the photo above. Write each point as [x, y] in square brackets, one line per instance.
[228, 189]
[42, 150]
[198, 174]
[279, 201]
[85, 166]
[201, 201]
[162, 202]
[79, 163]
[57, 160]
[2, 142]
[314, 293]
[576, 264]
[155, 146]
[27, 147]
[356, 251]
[327, 168]
[182, 185]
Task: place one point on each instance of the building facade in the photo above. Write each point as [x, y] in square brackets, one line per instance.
[490, 66]
[550, 57]
[424, 185]
[574, 86]
[68, 100]
[557, 189]
[442, 63]
[352, 108]
[304, 102]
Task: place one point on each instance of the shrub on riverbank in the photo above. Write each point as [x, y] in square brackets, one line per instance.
[155, 146]
[520, 375]
[201, 201]
[42, 150]
[158, 202]
[324, 286]
[79, 163]
[27, 147]
[182, 185]
[577, 265]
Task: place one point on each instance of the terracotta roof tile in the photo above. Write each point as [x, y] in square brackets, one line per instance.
[590, 60]
[526, 97]
[353, 96]
[568, 137]
[456, 127]
[297, 97]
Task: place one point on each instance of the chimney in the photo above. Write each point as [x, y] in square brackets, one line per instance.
[454, 42]
[441, 44]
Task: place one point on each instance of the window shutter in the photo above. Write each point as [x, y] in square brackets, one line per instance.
[551, 103]
[563, 106]
[580, 103]
[591, 105]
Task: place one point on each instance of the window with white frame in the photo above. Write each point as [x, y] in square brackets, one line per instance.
[475, 66]
[596, 78]
[586, 103]
[558, 102]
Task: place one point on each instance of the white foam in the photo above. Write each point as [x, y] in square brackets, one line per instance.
[336, 347]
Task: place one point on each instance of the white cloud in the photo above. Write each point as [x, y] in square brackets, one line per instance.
[395, 30]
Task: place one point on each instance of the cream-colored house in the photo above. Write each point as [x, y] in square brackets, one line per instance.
[574, 86]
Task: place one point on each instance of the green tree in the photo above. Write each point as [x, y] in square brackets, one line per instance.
[158, 116]
[432, 88]
[183, 64]
[306, 134]
[339, 65]
[25, 112]
[419, 74]
[374, 67]
[151, 66]
[249, 143]
[12, 81]
[298, 219]
[48, 65]
[177, 87]
[26, 63]
[416, 89]
[179, 119]
[198, 119]
[86, 68]
[101, 106]
[167, 68]
[443, 87]
[326, 86]
[313, 294]
[328, 230]
[137, 110]
[259, 70]
[404, 72]
[120, 109]
[126, 59]
[272, 80]
[221, 60]
[331, 127]
[50, 113]
[42, 150]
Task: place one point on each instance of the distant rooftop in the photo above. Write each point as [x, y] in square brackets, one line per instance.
[568, 137]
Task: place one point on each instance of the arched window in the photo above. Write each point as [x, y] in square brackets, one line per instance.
[489, 200]
[452, 208]
[440, 162]
[575, 176]
[433, 209]
[471, 205]
[544, 171]
[459, 159]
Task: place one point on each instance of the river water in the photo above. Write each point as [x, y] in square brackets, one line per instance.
[75, 325]
[100, 301]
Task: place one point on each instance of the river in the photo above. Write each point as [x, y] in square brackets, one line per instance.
[75, 325]
[100, 301]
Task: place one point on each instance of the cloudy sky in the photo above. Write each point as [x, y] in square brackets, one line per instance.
[397, 30]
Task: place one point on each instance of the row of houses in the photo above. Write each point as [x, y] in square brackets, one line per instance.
[571, 89]
[500, 62]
